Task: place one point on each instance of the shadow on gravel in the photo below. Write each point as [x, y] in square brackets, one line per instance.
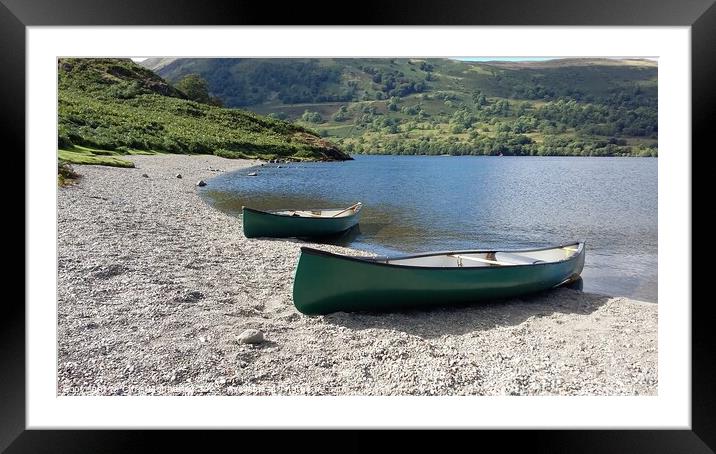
[338, 239]
[265, 344]
[478, 317]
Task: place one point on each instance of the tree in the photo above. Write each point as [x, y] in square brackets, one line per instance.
[341, 114]
[410, 110]
[312, 117]
[195, 88]
[393, 104]
[479, 99]
[427, 67]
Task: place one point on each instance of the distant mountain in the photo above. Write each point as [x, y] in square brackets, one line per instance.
[564, 106]
[115, 106]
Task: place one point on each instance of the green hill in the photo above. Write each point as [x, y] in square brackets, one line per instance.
[113, 107]
[594, 107]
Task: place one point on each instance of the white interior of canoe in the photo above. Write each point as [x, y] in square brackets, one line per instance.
[483, 259]
[328, 213]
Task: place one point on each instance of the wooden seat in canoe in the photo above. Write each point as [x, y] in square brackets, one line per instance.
[481, 260]
[512, 259]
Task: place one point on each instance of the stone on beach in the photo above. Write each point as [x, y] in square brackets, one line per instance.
[251, 336]
[201, 183]
[178, 175]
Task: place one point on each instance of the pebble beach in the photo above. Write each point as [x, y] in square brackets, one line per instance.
[161, 294]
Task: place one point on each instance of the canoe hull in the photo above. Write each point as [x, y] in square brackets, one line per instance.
[325, 283]
[262, 224]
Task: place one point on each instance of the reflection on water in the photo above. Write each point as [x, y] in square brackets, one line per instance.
[374, 232]
[420, 204]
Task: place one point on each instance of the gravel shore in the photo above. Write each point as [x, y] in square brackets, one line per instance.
[155, 287]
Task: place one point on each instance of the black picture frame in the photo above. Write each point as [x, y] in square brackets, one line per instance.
[700, 15]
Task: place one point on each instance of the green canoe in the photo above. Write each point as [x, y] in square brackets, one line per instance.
[326, 282]
[299, 223]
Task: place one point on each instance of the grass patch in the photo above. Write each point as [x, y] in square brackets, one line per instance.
[84, 158]
[240, 155]
[95, 156]
[144, 152]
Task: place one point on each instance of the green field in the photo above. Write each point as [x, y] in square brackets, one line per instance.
[111, 107]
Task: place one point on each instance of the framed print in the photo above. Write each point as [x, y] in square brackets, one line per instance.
[265, 218]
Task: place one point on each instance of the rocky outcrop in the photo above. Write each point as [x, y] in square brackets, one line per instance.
[329, 151]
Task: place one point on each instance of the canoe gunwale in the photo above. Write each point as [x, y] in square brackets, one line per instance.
[381, 259]
[287, 216]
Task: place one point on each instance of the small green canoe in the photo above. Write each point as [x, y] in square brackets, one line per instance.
[326, 282]
[299, 223]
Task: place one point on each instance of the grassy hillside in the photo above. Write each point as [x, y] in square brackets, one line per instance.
[113, 107]
[593, 107]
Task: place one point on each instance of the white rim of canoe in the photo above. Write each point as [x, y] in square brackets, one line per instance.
[358, 206]
[375, 260]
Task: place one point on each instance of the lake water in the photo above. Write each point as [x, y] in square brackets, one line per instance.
[428, 203]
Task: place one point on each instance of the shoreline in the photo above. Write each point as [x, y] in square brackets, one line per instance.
[154, 286]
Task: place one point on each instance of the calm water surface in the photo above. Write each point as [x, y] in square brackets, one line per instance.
[427, 203]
